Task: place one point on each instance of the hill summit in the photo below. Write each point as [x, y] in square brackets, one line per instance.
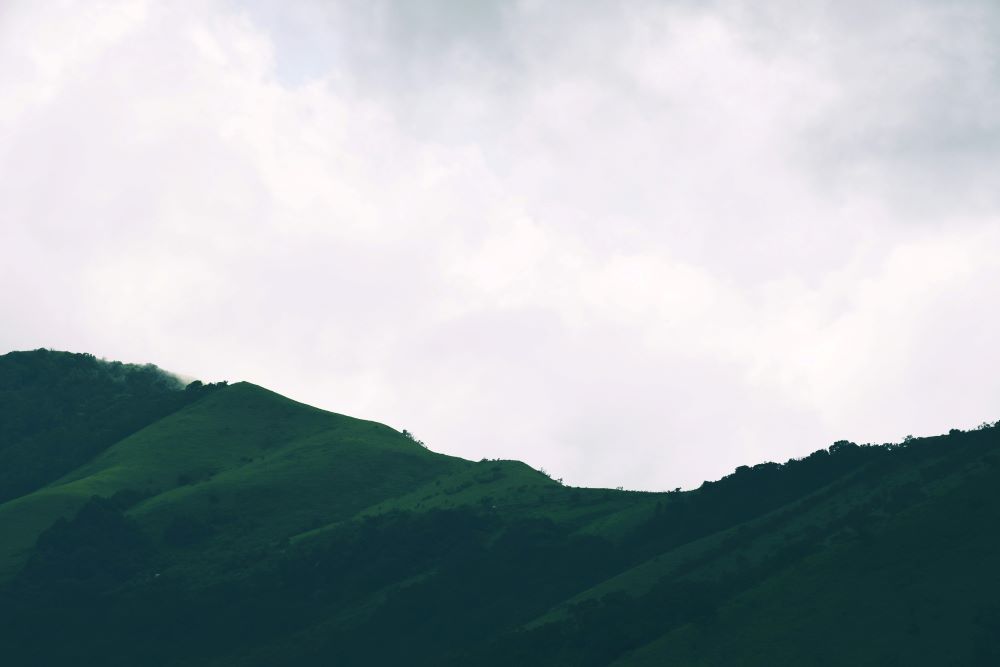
[144, 520]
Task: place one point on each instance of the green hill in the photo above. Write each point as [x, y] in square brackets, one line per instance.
[58, 410]
[915, 589]
[149, 522]
[242, 458]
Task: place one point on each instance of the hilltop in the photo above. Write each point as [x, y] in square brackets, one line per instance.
[148, 521]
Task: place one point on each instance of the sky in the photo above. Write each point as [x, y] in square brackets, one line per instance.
[634, 243]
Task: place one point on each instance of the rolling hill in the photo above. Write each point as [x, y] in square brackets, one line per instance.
[148, 521]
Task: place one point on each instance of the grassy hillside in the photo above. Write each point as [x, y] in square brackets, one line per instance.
[244, 465]
[916, 590]
[231, 526]
[58, 410]
[878, 567]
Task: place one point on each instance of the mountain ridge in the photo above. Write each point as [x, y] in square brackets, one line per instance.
[244, 528]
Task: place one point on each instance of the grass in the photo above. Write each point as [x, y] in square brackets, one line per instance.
[260, 468]
[243, 456]
[875, 552]
[755, 541]
[911, 579]
[513, 489]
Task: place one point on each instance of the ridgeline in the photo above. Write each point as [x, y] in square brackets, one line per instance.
[148, 522]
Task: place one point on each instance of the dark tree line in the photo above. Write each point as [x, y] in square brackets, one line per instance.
[58, 410]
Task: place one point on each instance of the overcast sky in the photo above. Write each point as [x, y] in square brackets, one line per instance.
[634, 243]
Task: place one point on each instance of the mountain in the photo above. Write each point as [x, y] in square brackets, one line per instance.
[145, 521]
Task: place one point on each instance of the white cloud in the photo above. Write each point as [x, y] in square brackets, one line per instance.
[636, 244]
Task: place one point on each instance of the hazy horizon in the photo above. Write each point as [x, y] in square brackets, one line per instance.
[635, 244]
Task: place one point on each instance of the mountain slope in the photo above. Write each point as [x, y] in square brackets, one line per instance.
[58, 409]
[242, 528]
[242, 454]
[914, 591]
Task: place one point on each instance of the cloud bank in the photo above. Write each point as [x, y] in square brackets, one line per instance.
[636, 244]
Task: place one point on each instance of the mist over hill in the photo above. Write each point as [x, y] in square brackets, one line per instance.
[145, 521]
